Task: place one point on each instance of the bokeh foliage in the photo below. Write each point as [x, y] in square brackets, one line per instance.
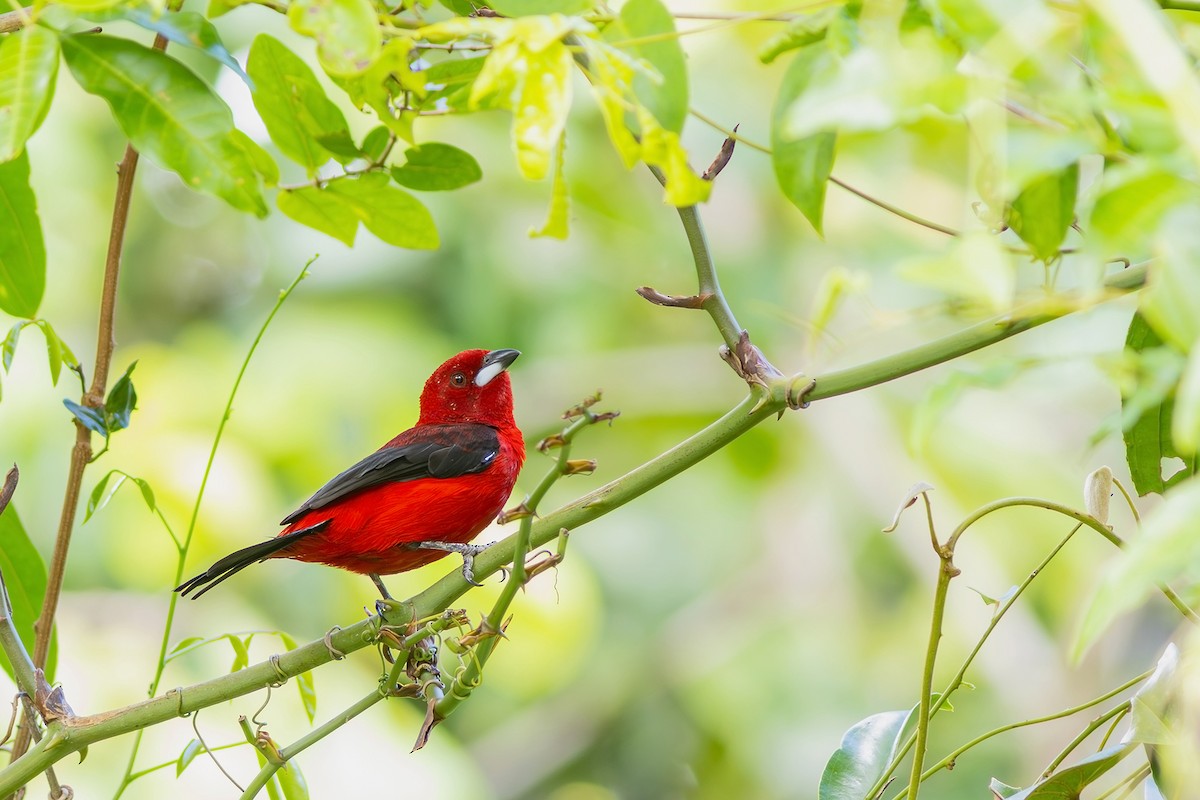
[718, 636]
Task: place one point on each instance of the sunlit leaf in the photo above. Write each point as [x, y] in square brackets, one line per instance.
[347, 32]
[1044, 211]
[8, 349]
[802, 164]
[186, 28]
[1148, 410]
[25, 578]
[1002, 791]
[28, 67]
[392, 214]
[187, 644]
[375, 143]
[193, 749]
[57, 351]
[388, 76]
[435, 167]
[1131, 202]
[241, 652]
[974, 270]
[1167, 547]
[650, 29]
[805, 29]
[22, 249]
[169, 114]
[860, 761]
[291, 781]
[556, 225]
[525, 8]
[292, 103]
[321, 210]
[1171, 300]
[1149, 706]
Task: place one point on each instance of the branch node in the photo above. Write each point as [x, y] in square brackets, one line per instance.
[672, 300]
[749, 363]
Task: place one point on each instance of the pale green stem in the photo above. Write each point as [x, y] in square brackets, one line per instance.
[1091, 728]
[183, 548]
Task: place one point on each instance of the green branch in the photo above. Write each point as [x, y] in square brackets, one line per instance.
[69, 737]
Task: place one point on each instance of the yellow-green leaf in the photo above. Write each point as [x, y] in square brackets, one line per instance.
[346, 31]
[22, 248]
[324, 211]
[170, 115]
[292, 103]
[28, 67]
[802, 164]
[556, 217]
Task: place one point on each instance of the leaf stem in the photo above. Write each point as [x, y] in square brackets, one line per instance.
[184, 547]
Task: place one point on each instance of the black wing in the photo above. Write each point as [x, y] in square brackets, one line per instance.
[436, 451]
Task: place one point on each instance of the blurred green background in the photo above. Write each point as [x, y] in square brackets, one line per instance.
[712, 639]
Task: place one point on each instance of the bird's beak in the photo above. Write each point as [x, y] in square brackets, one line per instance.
[494, 363]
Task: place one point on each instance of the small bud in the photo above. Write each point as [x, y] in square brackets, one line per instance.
[556, 440]
[579, 466]
[1097, 490]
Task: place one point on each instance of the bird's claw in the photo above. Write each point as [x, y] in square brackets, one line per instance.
[467, 551]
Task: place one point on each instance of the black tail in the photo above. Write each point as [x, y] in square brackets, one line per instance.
[236, 562]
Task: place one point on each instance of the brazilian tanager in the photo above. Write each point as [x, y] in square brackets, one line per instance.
[426, 493]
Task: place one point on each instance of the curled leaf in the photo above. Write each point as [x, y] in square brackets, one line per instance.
[916, 491]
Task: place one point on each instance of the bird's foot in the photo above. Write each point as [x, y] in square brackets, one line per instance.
[467, 551]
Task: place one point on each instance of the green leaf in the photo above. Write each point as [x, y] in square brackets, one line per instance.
[802, 31]
[98, 499]
[292, 103]
[1167, 547]
[1042, 213]
[291, 781]
[665, 94]
[1069, 783]
[194, 748]
[392, 214]
[121, 402]
[169, 114]
[320, 210]
[1185, 418]
[347, 32]
[91, 418]
[435, 167]
[185, 645]
[57, 351]
[188, 29]
[25, 578]
[9, 348]
[526, 8]
[1149, 705]
[529, 72]
[802, 165]
[304, 681]
[1002, 791]
[556, 217]
[389, 75]
[860, 761]
[28, 67]
[241, 652]
[1131, 203]
[1148, 410]
[22, 249]
[1171, 299]
[375, 143]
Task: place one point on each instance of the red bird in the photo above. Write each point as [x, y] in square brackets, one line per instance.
[422, 495]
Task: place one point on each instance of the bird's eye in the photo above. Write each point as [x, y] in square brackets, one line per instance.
[458, 379]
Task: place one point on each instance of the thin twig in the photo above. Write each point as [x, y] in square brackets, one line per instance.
[12, 21]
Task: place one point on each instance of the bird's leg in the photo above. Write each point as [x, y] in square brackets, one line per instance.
[467, 551]
[386, 603]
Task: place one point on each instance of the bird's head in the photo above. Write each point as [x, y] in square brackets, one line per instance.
[472, 386]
